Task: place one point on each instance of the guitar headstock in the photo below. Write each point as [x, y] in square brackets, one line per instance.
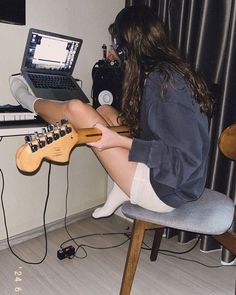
[54, 143]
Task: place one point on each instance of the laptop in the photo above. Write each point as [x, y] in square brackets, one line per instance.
[48, 63]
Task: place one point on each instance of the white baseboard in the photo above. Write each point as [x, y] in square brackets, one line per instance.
[35, 232]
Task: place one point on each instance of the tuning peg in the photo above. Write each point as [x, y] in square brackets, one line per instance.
[55, 135]
[48, 139]
[28, 138]
[68, 129]
[44, 131]
[58, 128]
[41, 143]
[62, 132]
[64, 121]
[50, 127]
[33, 147]
[64, 126]
[36, 134]
[61, 128]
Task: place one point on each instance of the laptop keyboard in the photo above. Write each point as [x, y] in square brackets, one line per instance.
[49, 81]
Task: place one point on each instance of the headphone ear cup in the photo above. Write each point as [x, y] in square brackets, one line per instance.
[119, 49]
[121, 52]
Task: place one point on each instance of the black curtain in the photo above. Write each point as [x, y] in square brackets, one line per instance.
[204, 31]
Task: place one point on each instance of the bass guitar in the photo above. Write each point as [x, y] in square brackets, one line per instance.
[55, 144]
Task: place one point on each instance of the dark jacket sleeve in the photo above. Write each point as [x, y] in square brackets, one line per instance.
[175, 150]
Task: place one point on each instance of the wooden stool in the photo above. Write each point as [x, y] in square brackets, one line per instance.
[211, 214]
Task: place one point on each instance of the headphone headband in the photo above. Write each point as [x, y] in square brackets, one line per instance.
[117, 43]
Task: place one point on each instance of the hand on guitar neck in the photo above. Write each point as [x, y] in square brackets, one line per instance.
[110, 139]
[56, 143]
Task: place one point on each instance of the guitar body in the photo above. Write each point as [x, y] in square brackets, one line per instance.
[56, 145]
[227, 142]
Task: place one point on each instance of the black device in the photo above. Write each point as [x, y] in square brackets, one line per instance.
[67, 252]
[107, 84]
[12, 12]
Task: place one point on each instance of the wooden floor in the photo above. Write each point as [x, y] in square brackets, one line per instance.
[101, 272]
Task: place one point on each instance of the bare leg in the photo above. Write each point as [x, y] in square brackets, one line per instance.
[116, 197]
[109, 114]
[82, 115]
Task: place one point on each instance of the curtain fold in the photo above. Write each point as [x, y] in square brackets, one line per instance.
[204, 31]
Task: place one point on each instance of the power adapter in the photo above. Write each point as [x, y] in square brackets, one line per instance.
[67, 252]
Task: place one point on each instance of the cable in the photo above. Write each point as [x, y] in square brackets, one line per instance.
[66, 210]
[195, 261]
[164, 252]
[174, 252]
[104, 248]
[79, 246]
[82, 246]
[44, 220]
[95, 247]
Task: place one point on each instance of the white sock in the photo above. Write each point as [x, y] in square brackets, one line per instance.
[115, 199]
[21, 93]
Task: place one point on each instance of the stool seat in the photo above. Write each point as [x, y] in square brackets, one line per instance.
[211, 214]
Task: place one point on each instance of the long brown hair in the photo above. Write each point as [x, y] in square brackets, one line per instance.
[147, 48]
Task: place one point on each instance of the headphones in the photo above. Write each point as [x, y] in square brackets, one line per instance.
[119, 48]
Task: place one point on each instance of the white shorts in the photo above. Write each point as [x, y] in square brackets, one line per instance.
[142, 192]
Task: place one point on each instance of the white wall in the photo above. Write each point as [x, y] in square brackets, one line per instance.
[24, 196]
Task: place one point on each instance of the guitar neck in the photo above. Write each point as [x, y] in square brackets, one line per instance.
[56, 145]
[87, 135]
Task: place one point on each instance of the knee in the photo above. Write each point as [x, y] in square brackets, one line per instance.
[105, 108]
[75, 108]
[109, 113]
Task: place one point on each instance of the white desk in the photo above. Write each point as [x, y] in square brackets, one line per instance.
[21, 129]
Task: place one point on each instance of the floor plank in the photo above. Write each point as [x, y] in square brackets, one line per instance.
[101, 271]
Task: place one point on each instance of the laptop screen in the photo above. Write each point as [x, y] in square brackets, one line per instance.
[50, 52]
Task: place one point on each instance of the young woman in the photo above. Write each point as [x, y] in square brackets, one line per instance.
[165, 105]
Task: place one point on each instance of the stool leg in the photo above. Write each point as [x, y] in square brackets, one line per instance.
[156, 243]
[132, 256]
